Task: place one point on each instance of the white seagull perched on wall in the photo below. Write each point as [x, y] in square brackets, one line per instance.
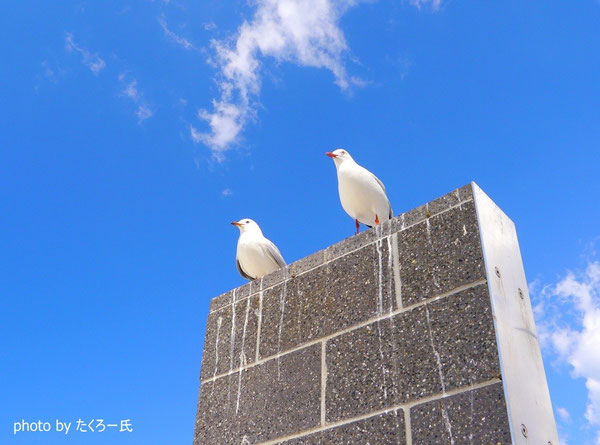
[256, 256]
[362, 194]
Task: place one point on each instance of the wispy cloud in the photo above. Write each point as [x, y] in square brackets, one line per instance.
[563, 414]
[52, 72]
[89, 59]
[48, 72]
[435, 4]
[131, 91]
[226, 192]
[304, 32]
[143, 112]
[181, 41]
[568, 315]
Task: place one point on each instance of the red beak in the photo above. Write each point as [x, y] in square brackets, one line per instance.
[331, 155]
[235, 223]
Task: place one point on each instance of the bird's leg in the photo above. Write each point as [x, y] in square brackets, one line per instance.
[357, 226]
[376, 220]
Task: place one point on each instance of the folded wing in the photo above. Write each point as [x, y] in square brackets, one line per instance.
[272, 252]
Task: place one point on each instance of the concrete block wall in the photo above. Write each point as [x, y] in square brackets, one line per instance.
[419, 331]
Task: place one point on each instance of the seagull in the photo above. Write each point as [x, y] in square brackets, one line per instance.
[362, 194]
[256, 256]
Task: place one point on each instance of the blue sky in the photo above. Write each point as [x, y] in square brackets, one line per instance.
[132, 133]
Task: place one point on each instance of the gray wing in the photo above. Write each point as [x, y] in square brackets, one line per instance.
[241, 271]
[379, 182]
[274, 253]
[391, 213]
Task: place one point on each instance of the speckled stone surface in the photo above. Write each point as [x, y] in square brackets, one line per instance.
[439, 254]
[244, 316]
[324, 301]
[273, 278]
[266, 401]
[382, 429]
[221, 301]
[432, 208]
[380, 365]
[307, 263]
[349, 244]
[400, 359]
[477, 417]
[449, 200]
[464, 337]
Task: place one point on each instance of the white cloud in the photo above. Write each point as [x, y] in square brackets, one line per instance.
[563, 414]
[143, 112]
[435, 4]
[52, 71]
[304, 32]
[91, 60]
[181, 41]
[569, 324]
[131, 90]
[209, 26]
[48, 72]
[226, 192]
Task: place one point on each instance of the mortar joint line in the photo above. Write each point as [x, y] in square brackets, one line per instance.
[407, 426]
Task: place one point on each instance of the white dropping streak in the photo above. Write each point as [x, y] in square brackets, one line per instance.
[378, 245]
[219, 322]
[242, 357]
[435, 281]
[244, 330]
[435, 352]
[231, 346]
[232, 340]
[442, 381]
[447, 421]
[396, 269]
[429, 232]
[398, 435]
[282, 298]
[459, 201]
[390, 269]
[472, 414]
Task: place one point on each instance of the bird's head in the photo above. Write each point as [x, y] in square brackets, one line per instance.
[246, 225]
[340, 155]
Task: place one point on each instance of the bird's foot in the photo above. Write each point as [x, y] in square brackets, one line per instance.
[357, 226]
[376, 220]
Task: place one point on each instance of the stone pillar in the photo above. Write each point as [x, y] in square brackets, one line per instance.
[419, 331]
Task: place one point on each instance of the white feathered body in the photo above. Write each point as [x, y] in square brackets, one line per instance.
[253, 254]
[362, 195]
